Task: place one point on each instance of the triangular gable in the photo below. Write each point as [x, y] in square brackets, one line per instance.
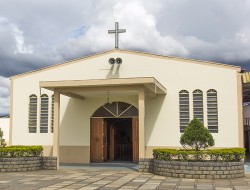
[237, 68]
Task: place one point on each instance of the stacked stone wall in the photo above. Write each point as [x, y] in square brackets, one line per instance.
[27, 164]
[49, 163]
[195, 170]
[146, 165]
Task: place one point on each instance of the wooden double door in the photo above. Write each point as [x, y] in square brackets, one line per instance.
[104, 142]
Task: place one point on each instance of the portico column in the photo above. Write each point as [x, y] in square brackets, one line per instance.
[56, 126]
[141, 123]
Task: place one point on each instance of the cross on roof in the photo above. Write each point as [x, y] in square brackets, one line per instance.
[116, 32]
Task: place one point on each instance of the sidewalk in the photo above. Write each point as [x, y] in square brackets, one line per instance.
[98, 178]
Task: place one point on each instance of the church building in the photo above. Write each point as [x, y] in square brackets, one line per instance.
[119, 105]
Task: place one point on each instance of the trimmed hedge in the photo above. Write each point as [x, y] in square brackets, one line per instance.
[227, 154]
[20, 151]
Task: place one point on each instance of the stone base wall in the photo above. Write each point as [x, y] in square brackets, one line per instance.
[146, 165]
[194, 170]
[49, 163]
[27, 164]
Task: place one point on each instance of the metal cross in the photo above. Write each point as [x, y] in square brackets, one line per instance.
[116, 32]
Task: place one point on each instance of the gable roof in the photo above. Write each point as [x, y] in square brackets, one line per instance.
[237, 68]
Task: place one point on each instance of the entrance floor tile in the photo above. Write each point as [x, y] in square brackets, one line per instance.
[111, 180]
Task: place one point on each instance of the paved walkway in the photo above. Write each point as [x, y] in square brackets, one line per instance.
[95, 178]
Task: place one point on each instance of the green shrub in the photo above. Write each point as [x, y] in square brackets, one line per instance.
[196, 136]
[226, 154]
[20, 151]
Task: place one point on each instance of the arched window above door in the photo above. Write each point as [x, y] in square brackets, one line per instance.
[116, 109]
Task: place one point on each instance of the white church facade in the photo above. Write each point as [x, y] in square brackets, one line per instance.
[120, 105]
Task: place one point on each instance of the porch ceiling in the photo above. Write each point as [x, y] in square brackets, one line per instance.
[96, 88]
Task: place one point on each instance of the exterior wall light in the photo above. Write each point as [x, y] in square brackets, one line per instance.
[118, 60]
[112, 61]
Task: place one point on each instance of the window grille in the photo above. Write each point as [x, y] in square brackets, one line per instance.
[44, 113]
[212, 111]
[198, 104]
[52, 113]
[184, 109]
[32, 113]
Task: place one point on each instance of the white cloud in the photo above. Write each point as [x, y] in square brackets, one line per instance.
[20, 45]
[142, 34]
[4, 95]
[17, 34]
[17, 55]
[243, 36]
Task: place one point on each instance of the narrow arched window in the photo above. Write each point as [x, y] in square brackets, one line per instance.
[212, 111]
[44, 113]
[32, 113]
[184, 109]
[52, 113]
[198, 104]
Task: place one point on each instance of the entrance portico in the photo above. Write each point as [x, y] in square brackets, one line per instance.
[78, 89]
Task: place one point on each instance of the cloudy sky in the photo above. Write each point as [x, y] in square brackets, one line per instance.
[38, 33]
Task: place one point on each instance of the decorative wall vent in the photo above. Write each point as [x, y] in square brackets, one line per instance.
[116, 109]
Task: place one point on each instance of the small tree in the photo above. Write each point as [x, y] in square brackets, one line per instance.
[196, 136]
[2, 141]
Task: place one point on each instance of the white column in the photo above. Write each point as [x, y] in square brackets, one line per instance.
[56, 126]
[141, 123]
[240, 110]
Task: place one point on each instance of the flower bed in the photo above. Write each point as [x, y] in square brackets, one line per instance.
[227, 154]
[25, 158]
[214, 163]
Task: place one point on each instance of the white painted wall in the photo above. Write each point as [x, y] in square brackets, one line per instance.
[162, 112]
[4, 125]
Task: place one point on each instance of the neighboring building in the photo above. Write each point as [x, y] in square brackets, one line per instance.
[4, 125]
[246, 109]
[246, 116]
[88, 110]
